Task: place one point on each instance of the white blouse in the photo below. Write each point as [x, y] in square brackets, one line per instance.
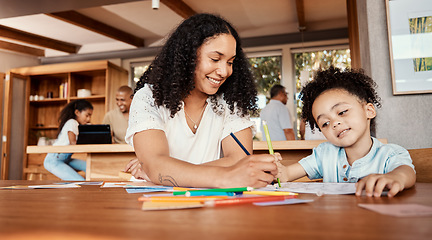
[203, 146]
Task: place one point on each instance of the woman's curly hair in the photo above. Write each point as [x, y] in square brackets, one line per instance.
[172, 72]
[353, 81]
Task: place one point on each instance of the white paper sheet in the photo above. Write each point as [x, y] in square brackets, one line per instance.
[318, 188]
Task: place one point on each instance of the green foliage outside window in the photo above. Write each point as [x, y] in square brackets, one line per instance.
[312, 61]
[267, 72]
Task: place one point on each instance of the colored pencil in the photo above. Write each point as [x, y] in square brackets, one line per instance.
[270, 193]
[245, 200]
[240, 189]
[240, 144]
[269, 143]
[179, 198]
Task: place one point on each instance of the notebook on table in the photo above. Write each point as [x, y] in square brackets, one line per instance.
[94, 134]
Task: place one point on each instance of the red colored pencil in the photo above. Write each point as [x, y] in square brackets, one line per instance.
[245, 200]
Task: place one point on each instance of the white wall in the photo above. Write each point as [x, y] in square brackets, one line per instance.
[9, 60]
[403, 119]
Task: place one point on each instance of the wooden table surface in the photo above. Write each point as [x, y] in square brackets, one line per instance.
[91, 212]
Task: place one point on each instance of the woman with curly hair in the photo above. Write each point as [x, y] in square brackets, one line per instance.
[197, 91]
[341, 104]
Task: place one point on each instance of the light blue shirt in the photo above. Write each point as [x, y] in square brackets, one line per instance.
[329, 162]
[278, 118]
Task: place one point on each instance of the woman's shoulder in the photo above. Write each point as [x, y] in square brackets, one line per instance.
[145, 90]
[144, 94]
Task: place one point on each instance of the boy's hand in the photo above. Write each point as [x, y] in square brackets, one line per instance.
[281, 169]
[282, 172]
[374, 185]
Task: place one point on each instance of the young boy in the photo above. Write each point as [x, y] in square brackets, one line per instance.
[341, 104]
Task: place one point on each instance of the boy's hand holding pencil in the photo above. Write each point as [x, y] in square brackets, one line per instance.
[282, 176]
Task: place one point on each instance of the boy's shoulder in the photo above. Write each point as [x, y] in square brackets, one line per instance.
[378, 147]
[390, 149]
[327, 148]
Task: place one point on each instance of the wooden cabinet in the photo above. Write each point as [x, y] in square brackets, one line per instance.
[44, 99]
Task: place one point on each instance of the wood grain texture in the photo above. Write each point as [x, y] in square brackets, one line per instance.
[91, 212]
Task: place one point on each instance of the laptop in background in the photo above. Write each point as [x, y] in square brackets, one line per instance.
[94, 134]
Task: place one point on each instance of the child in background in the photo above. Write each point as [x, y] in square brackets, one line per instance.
[341, 104]
[61, 164]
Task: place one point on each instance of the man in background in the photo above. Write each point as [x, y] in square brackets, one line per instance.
[277, 116]
[118, 118]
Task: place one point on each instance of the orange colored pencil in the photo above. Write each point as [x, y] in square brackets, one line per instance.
[180, 199]
[245, 200]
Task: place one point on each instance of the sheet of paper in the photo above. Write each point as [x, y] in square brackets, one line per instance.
[318, 188]
[114, 184]
[54, 185]
[146, 190]
[284, 202]
[399, 210]
[16, 187]
[68, 185]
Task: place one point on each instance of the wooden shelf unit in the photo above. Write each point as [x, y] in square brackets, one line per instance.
[102, 78]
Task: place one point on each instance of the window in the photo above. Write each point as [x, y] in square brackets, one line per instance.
[267, 70]
[138, 69]
[308, 62]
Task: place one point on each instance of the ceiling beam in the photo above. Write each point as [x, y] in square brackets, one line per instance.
[91, 24]
[30, 38]
[22, 49]
[290, 38]
[301, 15]
[17, 8]
[179, 7]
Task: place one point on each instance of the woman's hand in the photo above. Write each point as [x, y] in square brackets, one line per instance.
[135, 168]
[251, 171]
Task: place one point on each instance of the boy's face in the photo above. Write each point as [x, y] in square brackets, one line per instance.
[343, 118]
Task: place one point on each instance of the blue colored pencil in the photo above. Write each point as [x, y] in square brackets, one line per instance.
[239, 143]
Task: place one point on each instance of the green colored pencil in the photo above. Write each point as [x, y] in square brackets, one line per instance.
[240, 189]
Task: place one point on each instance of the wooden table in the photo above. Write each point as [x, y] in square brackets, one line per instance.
[104, 161]
[90, 212]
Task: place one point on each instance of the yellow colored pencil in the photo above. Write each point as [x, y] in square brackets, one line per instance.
[269, 143]
[269, 193]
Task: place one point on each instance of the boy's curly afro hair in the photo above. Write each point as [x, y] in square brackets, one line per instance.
[353, 81]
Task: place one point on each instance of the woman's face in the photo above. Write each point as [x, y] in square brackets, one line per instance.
[215, 61]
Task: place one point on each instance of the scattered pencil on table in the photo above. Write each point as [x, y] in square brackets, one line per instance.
[176, 202]
[269, 193]
[245, 200]
[240, 189]
[269, 143]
